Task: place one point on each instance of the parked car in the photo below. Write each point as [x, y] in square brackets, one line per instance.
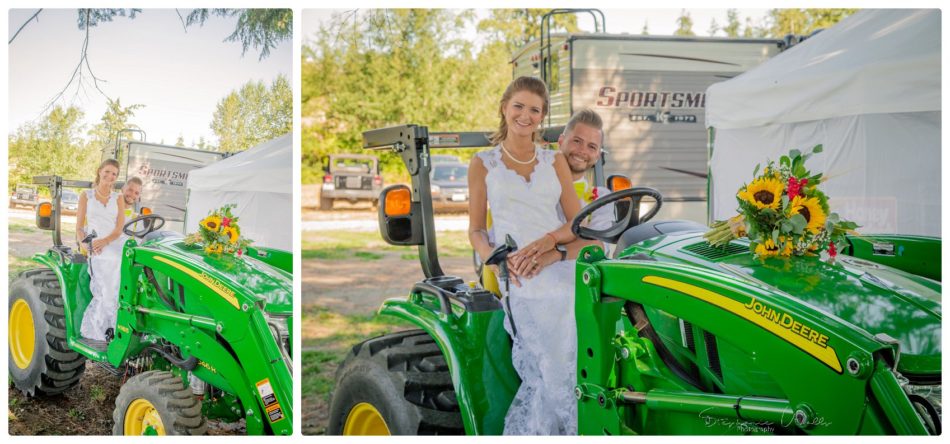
[351, 177]
[70, 202]
[449, 184]
[25, 195]
[444, 158]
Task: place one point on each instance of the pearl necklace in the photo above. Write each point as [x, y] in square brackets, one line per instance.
[98, 194]
[515, 160]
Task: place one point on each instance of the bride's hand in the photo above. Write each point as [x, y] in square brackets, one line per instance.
[525, 257]
[98, 244]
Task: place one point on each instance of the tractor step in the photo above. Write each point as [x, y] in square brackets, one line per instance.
[95, 344]
[110, 369]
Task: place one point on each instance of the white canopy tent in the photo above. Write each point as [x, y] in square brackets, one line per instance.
[259, 182]
[868, 90]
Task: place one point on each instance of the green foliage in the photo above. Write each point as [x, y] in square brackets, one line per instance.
[732, 23]
[89, 17]
[253, 114]
[257, 28]
[116, 117]
[803, 21]
[516, 27]
[685, 25]
[53, 145]
[389, 67]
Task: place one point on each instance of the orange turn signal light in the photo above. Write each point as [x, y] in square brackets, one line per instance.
[398, 202]
[619, 182]
[45, 209]
[146, 211]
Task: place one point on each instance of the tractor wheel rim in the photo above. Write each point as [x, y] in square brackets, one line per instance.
[142, 418]
[364, 419]
[22, 334]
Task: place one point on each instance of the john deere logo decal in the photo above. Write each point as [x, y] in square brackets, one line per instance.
[776, 322]
[213, 284]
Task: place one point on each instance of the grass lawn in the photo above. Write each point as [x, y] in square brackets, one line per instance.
[327, 337]
[368, 246]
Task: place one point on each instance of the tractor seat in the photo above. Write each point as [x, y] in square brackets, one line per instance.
[655, 228]
[164, 234]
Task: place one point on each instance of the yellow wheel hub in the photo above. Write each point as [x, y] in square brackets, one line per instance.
[364, 419]
[142, 418]
[22, 335]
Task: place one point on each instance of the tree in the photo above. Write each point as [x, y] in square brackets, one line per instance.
[646, 29]
[685, 24]
[516, 27]
[713, 28]
[116, 117]
[256, 28]
[53, 145]
[803, 21]
[253, 114]
[387, 67]
[732, 23]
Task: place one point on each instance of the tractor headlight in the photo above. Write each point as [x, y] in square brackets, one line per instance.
[277, 324]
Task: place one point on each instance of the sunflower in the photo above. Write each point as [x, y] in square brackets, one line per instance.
[810, 209]
[212, 223]
[766, 249]
[232, 234]
[787, 246]
[764, 192]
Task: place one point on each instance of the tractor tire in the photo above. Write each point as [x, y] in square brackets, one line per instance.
[397, 384]
[41, 364]
[326, 204]
[157, 402]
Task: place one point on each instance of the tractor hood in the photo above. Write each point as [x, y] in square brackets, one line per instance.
[872, 297]
[245, 275]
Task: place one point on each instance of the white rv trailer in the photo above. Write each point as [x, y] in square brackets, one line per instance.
[164, 173]
[651, 93]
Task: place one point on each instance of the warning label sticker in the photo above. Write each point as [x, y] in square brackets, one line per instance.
[275, 414]
[267, 393]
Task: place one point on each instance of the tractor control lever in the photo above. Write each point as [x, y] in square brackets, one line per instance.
[499, 257]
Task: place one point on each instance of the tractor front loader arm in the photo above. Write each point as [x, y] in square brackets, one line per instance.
[809, 370]
[224, 330]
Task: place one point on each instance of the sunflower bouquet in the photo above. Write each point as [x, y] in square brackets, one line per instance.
[219, 233]
[783, 212]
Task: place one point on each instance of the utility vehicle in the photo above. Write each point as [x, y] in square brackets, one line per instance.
[197, 336]
[674, 337]
[351, 177]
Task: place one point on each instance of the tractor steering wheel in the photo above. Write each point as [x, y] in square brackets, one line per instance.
[150, 222]
[629, 219]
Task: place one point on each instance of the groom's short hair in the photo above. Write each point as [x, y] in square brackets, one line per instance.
[588, 117]
[135, 180]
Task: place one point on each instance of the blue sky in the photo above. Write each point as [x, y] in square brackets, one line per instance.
[151, 60]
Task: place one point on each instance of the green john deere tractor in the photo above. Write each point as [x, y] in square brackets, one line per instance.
[674, 337]
[197, 336]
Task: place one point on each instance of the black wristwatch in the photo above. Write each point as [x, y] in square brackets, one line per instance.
[563, 250]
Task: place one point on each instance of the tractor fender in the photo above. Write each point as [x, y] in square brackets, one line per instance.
[48, 261]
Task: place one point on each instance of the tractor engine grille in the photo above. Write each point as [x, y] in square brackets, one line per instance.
[709, 252]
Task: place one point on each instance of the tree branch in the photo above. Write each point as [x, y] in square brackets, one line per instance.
[24, 25]
[77, 75]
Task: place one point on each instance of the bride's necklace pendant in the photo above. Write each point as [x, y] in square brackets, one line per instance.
[515, 159]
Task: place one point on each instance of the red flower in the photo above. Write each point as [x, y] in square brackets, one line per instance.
[832, 251]
[239, 252]
[225, 222]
